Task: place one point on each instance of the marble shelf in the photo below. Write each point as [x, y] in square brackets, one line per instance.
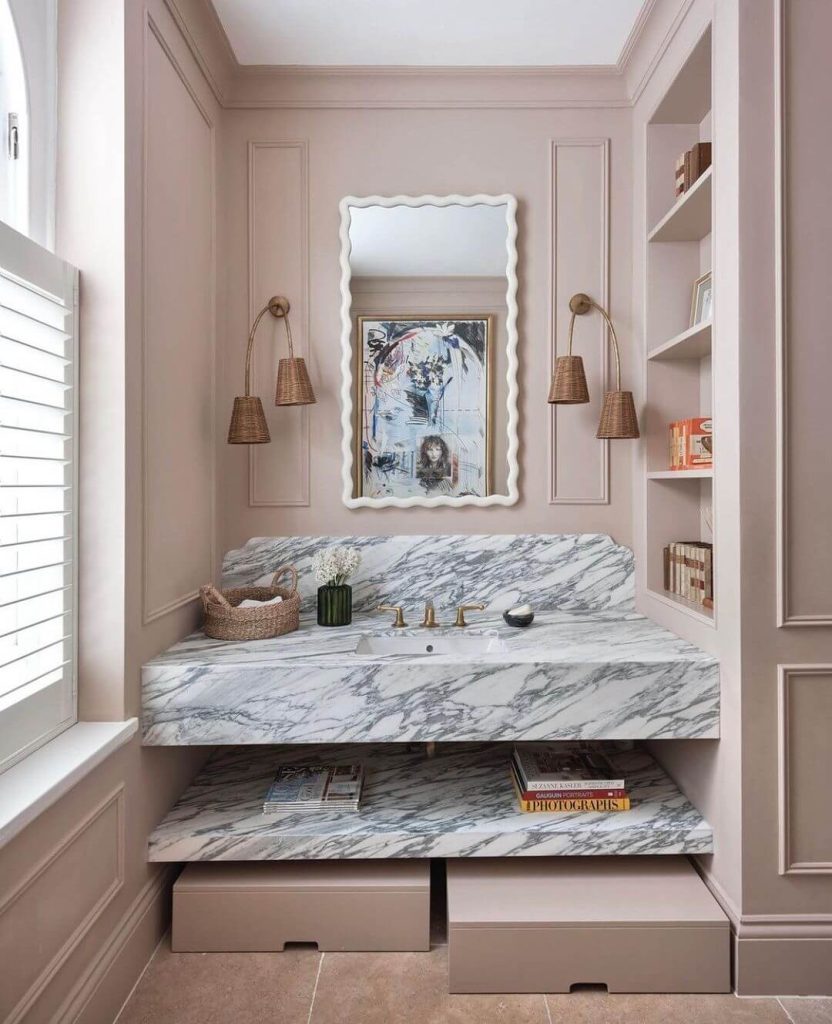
[459, 803]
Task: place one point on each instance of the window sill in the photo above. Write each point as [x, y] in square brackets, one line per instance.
[28, 788]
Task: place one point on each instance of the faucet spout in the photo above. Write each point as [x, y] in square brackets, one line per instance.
[429, 621]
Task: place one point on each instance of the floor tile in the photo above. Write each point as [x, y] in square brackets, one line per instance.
[408, 988]
[599, 1008]
[808, 1011]
[220, 988]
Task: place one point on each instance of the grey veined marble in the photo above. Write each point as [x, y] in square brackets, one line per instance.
[457, 804]
[577, 571]
[570, 675]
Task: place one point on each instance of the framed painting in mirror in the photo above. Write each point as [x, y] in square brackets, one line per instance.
[423, 415]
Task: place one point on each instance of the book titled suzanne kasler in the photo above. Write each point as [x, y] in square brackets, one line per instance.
[546, 768]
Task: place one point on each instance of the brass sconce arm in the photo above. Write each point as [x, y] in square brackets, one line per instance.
[278, 307]
[582, 303]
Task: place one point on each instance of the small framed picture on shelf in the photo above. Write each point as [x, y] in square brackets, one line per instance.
[702, 301]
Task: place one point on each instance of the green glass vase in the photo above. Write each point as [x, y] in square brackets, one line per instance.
[335, 605]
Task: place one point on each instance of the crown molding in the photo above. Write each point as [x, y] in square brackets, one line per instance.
[238, 86]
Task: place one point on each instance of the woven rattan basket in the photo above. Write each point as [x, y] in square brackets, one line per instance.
[225, 621]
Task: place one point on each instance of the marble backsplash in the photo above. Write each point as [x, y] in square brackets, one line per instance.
[575, 572]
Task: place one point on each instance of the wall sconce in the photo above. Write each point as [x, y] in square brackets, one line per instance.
[248, 421]
[618, 414]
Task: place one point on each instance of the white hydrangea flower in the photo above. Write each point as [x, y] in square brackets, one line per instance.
[334, 566]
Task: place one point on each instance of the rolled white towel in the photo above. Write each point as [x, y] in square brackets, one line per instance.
[248, 603]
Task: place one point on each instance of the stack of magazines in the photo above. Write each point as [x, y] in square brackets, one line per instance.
[553, 777]
[315, 787]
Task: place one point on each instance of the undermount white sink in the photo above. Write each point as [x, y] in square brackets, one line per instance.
[427, 645]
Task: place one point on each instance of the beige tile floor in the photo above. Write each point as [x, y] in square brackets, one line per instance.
[302, 986]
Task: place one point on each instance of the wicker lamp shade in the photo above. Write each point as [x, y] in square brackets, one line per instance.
[293, 384]
[248, 422]
[569, 382]
[618, 416]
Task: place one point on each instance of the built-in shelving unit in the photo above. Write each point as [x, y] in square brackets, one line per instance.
[677, 373]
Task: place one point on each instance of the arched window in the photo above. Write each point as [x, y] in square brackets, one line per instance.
[14, 129]
[28, 84]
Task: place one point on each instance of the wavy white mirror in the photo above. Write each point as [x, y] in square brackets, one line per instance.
[429, 350]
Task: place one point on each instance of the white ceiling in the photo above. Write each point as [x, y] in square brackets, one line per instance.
[428, 32]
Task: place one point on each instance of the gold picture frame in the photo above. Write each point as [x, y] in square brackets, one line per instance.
[702, 291]
[490, 321]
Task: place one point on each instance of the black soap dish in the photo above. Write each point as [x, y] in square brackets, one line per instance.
[519, 617]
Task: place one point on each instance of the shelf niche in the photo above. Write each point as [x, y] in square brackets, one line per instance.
[678, 371]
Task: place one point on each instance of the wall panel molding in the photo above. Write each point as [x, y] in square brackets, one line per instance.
[567, 276]
[279, 472]
[112, 804]
[153, 896]
[788, 840]
[150, 609]
[784, 398]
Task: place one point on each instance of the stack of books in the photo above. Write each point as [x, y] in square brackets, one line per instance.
[689, 571]
[692, 443]
[691, 165]
[555, 777]
[315, 787]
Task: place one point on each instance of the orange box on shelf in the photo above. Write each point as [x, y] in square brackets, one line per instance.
[691, 443]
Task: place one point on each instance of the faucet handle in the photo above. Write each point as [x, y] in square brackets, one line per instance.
[399, 622]
[463, 608]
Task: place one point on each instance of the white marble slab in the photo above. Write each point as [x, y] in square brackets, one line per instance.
[602, 675]
[457, 804]
[579, 571]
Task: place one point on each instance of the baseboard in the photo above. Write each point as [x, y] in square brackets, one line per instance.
[101, 990]
[783, 967]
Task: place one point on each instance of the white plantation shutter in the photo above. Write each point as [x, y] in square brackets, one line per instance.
[38, 374]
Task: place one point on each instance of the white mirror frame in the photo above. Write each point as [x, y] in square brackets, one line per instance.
[347, 362]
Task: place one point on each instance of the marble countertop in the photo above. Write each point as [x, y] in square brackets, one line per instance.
[460, 803]
[570, 675]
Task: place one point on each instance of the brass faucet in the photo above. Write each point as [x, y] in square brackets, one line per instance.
[429, 621]
[399, 622]
[463, 608]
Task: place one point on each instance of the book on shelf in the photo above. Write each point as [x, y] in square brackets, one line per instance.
[690, 166]
[537, 804]
[547, 768]
[315, 787]
[679, 182]
[691, 443]
[688, 571]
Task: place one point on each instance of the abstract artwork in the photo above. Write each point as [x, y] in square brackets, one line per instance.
[424, 408]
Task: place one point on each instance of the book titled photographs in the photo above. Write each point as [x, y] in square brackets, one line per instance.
[566, 780]
[689, 571]
[315, 787]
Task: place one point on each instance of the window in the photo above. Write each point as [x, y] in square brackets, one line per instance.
[38, 332]
[28, 116]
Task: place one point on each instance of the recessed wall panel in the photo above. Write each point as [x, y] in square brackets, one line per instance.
[178, 336]
[278, 264]
[578, 464]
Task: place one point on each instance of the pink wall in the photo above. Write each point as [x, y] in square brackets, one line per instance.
[283, 174]
[81, 910]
